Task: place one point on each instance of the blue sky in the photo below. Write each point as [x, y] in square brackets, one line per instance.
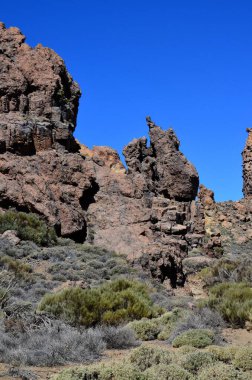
[188, 64]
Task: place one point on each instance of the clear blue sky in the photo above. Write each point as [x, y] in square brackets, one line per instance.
[187, 63]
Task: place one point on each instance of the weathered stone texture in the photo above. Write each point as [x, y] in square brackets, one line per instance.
[38, 98]
[247, 166]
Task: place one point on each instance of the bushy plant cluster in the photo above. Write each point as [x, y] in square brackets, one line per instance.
[57, 343]
[151, 363]
[157, 328]
[233, 301]
[112, 303]
[231, 269]
[28, 227]
[199, 338]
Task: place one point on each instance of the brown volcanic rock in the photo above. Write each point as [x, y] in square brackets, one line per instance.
[38, 98]
[51, 184]
[147, 212]
[247, 166]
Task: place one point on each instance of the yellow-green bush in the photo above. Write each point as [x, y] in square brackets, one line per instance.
[28, 227]
[223, 354]
[112, 303]
[110, 371]
[156, 328]
[243, 358]
[145, 357]
[19, 268]
[167, 372]
[194, 361]
[221, 371]
[233, 301]
[199, 338]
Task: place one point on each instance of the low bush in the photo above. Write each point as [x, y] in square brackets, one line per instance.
[114, 371]
[167, 372]
[199, 338]
[51, 345]
[243, 358]
[222, 371]
[28, 227]
[118, 337]
[194, 361]
[200, 318]
[17, 267]
[146, 357]
[157, 328]
[112, 303]
[223, 354]
[233, 301]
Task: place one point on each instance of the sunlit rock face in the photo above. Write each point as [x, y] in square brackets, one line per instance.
[38, 98]
[247, 166]
[147, 211]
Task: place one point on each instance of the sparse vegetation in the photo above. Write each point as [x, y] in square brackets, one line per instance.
[28, 227]
[199, 338]
[233, 301]
[112, 303]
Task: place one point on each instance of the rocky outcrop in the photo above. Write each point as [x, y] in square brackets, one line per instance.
[147, 211]
[247, 166]
[38, 98]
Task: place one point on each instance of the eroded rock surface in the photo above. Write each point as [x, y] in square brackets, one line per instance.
[247, 166]
[38, 98]
[148, 212]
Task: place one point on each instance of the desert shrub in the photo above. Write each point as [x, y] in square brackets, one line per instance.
[243, 358]
[200, 318]
[145, 357]
[156, 328]
[114, 371]
[49, 345]
[232, 269]
[222, 371]
[145, 329]
[18, 268]
[194, 361]
[187, 349]
[199, 338]
[118, 337]
[112, 303]
[233, 301]
[167, 372]
[224, 354]
[28, 227]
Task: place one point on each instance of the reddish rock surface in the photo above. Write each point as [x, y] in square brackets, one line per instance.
[148, 211]
[247, 166]
[38, 98]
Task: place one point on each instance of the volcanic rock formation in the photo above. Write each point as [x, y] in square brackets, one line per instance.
[38, 98]
[148, 211]
[247, 166]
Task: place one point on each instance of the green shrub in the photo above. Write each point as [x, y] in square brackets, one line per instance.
[222, 371]
[114, 371]
[145, 329]
[156, 328]
[223, 354]
[243, 358]
[194, 361]
[19, 268]
[145, 357]
[187, 349]
[167, 372]
[233, 301]
[199, 338]
[28, 227]
[113, 303]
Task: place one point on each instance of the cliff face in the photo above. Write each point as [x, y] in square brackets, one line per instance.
[247, 166]
[147, 212]
[38, 98]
